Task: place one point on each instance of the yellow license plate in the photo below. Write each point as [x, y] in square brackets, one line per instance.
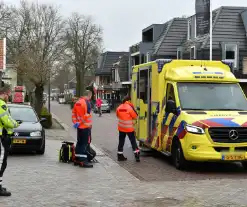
[19, 141]
[233, 157]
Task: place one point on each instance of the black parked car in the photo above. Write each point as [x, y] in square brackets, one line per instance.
[30, 135]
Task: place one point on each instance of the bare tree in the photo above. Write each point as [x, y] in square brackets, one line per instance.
[64, 72]
[83, 42]
[34, 42]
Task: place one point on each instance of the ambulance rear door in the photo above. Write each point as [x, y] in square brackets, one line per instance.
[144, 102]
[134, 96]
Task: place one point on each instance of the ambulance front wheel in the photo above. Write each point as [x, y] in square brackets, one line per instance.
[178, 158]
[244, 165]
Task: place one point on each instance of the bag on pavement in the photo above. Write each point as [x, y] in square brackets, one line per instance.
[67, 152]
[90, 153]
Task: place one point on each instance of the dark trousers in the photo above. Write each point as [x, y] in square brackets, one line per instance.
[100, 111]
[83, 140]
[4, 145]
[132, 139]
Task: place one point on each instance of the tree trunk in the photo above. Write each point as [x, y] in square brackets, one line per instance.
[39, 98]
[78, 83]
[82, 86]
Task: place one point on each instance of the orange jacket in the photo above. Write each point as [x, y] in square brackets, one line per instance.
[126, 114]
[81, 115]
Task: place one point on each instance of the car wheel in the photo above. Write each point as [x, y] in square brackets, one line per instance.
[109, 111]
[42, 150]
[178, 158]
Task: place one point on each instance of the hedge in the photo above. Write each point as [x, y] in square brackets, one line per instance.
[45, 114]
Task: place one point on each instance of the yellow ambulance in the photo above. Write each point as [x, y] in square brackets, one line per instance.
[191, 110]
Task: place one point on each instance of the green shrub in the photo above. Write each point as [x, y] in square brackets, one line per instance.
[45, 114]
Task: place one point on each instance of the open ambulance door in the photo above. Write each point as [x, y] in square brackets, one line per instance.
[134, 96]
[144, 104]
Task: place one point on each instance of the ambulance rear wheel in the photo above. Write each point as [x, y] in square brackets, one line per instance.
[178, 158]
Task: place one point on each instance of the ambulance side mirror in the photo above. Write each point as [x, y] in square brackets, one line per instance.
[171, 107]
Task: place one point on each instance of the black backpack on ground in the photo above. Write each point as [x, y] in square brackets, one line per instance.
[67, 152]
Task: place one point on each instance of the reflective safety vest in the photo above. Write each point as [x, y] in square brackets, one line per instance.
[126, 115]
[82, 114]
[6, 121]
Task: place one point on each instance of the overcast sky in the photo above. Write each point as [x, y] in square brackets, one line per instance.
[123, 20]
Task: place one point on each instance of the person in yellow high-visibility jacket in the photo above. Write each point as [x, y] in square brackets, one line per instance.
[7, 123]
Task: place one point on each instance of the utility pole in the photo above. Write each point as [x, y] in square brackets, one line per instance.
[211, 30]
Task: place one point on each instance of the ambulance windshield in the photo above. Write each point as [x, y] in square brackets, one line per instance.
[211, 96]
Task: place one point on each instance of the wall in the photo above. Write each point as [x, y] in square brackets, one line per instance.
[9, 72]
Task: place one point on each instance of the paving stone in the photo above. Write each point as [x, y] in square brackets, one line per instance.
[40, 180]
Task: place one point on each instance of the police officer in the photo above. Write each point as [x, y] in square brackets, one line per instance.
[126, 114]
[82, 120]
[7, 123]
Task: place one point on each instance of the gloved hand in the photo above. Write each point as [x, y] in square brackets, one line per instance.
[76, 125]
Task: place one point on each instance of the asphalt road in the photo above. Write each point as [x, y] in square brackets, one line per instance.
[153, 166]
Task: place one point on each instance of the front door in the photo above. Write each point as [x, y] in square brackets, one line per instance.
[168, 119]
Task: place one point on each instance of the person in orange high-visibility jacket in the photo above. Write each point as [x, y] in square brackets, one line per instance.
[126, 115]
[82, 120]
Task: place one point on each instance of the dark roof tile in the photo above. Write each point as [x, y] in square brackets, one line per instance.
[109, 58]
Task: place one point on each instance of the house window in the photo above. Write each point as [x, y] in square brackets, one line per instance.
[117, 76]
[193, 53]
[113, 75]
[231, 53]
[147, 57]
[189, 29]
[179, 54]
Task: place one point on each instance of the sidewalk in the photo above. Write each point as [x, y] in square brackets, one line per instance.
[108, 184]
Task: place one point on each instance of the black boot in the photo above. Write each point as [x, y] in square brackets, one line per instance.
[4, 192]
[76, 163]
[137, 156]
[85, 164]
[120, 157]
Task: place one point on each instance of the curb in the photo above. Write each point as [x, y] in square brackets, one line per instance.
[66, 128]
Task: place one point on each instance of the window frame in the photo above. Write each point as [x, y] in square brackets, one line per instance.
[113, 75]
[189, 30]
[181, 54]
[169, 85]
[236, 51]
[194, 55]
